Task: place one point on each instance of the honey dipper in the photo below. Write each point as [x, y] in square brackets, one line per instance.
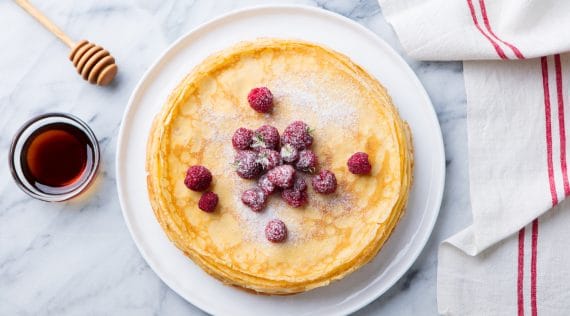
[94, 63]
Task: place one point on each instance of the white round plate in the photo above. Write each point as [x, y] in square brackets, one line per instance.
[364, 48]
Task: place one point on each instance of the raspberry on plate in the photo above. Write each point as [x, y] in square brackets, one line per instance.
[289, 154]
[266, 136]
[208, 202]
[269, 158]
[198, 178]
[254, 198]
[260, 99]
[358, 163]
[307, 161]
[276, 231]
[246, 164]
[266, 185]
[324, 182]
[242, 139]
[298, 135]
[282, 176]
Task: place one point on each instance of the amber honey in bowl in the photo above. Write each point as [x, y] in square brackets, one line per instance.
[54, 157]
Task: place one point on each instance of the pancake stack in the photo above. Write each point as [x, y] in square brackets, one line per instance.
[333, 235]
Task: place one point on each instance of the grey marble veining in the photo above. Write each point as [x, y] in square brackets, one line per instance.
[77, 258]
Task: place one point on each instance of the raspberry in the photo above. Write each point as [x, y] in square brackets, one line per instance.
[359, 164]
[307, 161]
[246, 164]
[300, 184]
[266, 185]
[266, 136]
[289, 153]
[282, 176]
[198, 178]
[276, 231]
[298, 135]
[260, 99]
[269, 158]
[254, 198]
[324, 182]
[242, 139]
[296, 196]
[208, 202]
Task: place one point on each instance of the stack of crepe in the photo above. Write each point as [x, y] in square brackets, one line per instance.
[332, 235]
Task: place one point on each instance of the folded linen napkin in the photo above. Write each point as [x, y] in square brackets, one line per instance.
[479, 29]
[514, 258]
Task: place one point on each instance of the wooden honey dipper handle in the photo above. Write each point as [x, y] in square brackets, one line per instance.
[93, 63]
[33, 11]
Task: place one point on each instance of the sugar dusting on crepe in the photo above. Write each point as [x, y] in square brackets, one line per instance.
[312, 92]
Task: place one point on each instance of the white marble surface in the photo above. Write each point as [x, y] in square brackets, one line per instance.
[77, 258]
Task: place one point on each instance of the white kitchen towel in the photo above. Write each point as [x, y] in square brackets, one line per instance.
[525, 274]
[480, 29]
[516, 131]
[517, 117]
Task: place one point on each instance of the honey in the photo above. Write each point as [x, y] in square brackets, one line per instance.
[56, 158]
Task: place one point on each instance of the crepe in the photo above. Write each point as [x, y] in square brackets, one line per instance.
[331, 236]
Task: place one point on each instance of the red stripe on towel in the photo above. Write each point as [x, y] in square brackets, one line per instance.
[533, 259]
[515, 50]
[547, 113]
[498, 49]
[561, 123]
[520, 277]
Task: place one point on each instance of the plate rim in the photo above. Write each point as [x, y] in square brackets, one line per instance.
[135, 95]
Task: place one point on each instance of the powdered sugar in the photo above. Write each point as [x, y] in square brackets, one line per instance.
[317, 94]
[300, 95]
[211, 118]
[254, 223]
